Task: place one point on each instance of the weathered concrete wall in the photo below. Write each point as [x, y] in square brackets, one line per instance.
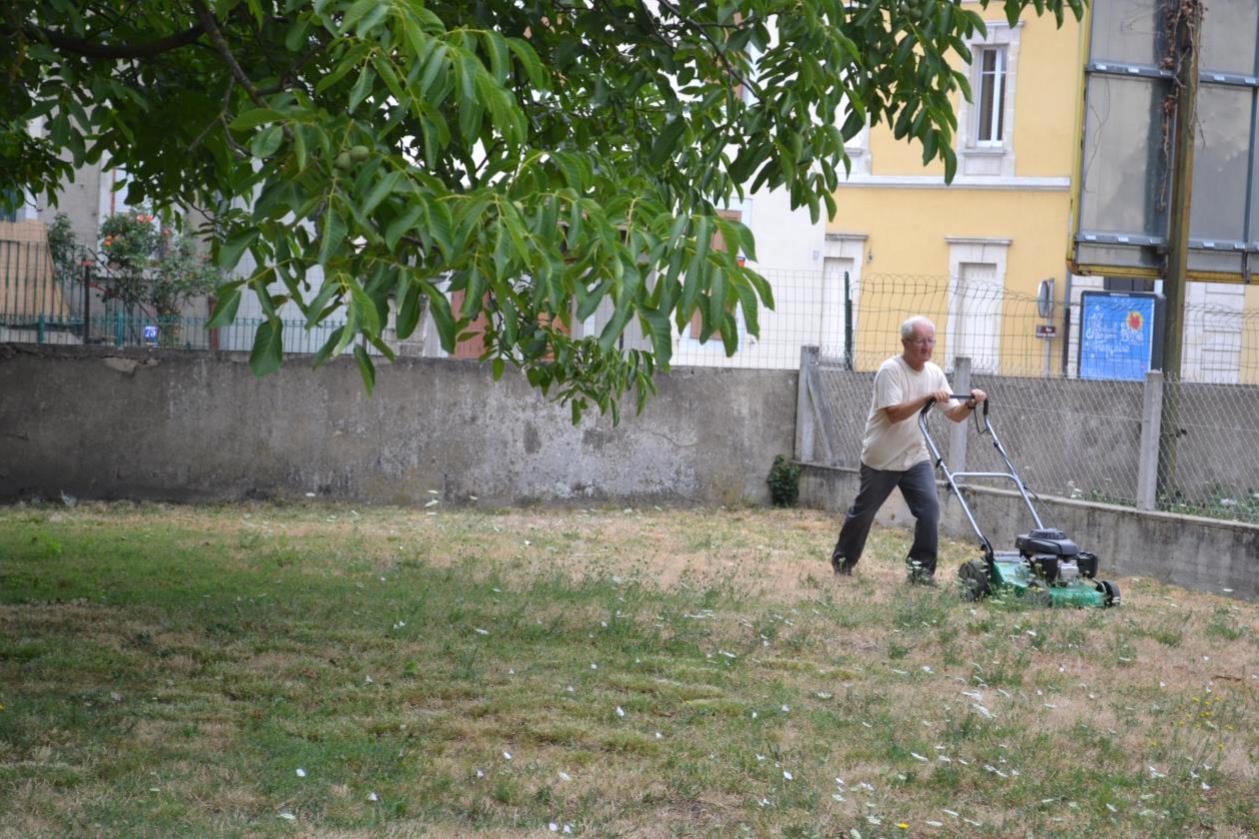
[100, 423]
[1197, 553]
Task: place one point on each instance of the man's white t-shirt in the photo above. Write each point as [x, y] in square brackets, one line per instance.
[899, 446]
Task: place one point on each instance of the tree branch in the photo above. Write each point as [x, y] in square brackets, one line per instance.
[220, 43]
[90, 49]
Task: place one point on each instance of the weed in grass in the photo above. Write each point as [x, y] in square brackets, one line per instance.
[1224, 624]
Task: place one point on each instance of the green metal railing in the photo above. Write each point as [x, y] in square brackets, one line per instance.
[46, 302]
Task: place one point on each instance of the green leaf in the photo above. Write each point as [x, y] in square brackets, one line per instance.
[254, 118]
[383, 187]
[226, 305]
[496, 368]
[528, 59]
[365, 368]
[439, 306]
[365, 311]
[267, 354]
[499, 60]
[400, 225]
[230, 251]
[362, 86]
[408, 311]
[325, 352]
[665, 143]
[333, 234]
[357, 11]
[267, 141]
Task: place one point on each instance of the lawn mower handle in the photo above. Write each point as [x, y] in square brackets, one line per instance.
[963, 396]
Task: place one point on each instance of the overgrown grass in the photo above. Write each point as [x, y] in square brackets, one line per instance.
[169, 670]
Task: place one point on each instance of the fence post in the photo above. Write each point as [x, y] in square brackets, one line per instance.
[87, 299]
[958, 430]
[847, 324]
[804, 411]
[1151, 431]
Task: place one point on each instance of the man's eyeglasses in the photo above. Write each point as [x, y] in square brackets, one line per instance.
[923, 342]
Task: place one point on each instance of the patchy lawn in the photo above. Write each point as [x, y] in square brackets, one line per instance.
[335, 671]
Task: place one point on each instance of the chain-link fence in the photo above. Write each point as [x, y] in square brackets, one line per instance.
[1180, 445]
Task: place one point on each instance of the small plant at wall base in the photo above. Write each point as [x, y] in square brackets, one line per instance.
[784, 482]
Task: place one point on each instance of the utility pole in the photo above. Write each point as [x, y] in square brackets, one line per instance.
[1185, 26]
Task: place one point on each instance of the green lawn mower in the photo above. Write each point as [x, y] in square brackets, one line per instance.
[1045, 565]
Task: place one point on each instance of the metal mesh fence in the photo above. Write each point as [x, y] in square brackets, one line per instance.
[1067, 437]
[808, 311]
[1209, 450]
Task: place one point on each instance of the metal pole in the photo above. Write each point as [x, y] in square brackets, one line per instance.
[847, 323]
[87, 299]
[1066, 325]
[1185, 38]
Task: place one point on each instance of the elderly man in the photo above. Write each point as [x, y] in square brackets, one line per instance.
[894, 454]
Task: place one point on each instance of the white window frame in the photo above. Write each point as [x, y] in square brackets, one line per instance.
[995, 112]
[990, 159]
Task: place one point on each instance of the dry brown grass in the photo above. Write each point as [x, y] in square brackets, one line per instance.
[238, 642]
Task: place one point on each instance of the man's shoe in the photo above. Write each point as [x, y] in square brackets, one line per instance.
[841, 570]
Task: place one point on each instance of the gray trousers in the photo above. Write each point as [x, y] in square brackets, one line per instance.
[917, 484]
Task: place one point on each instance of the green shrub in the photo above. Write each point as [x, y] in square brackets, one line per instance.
[784, 482]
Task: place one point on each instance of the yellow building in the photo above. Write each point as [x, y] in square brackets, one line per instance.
[973, 254]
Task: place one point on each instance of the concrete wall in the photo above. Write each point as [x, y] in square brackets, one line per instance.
[1196, 553]
[100, 423]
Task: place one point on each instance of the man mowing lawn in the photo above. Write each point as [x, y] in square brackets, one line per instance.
[893, 453]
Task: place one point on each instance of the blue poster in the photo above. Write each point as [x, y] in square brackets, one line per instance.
[1117, 335]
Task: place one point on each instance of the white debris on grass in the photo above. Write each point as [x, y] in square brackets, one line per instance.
[479, 631]
[620, 712]
[287, 816]
[371, 796]
[506, 755]
[564, 776]
[301, 773]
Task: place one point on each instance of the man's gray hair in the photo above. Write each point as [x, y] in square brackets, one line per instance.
[907, 328]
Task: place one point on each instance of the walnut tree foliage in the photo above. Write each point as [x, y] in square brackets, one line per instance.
[539, 157]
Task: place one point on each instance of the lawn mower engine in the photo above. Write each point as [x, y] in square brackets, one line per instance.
[1056, 562]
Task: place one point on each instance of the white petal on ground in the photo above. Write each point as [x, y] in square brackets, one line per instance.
[301, 773]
